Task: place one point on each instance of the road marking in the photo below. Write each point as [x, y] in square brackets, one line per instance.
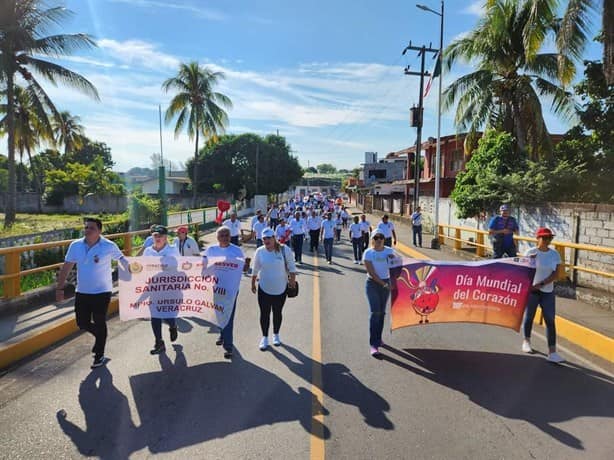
[317, 399]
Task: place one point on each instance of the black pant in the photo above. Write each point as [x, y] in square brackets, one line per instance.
[417, 229]
[365, 240]
[314, 239]
[268, 302]
[91, 316]
[297, 246]
[235, 240]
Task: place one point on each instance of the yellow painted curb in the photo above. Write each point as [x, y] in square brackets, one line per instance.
[14, 352]
[594, 342]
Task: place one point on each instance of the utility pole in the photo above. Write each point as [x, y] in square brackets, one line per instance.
[162, 177]
[417, 116]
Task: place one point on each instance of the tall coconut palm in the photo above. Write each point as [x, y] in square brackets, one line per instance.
[23, 39]
[197, 107]
[32, 126]
[68, 131]
[504, 91]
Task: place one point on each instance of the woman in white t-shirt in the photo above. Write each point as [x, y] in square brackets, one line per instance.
[377, 260]
[273, 262]
[547, 262]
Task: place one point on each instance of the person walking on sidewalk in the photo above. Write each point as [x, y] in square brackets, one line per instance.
[365, 228]
[93, 255]
[356, 236]
[387, 229]
[547, 263]
[416, 225]
[502, 229]
[161, 248]
[185, 244]
[314, 222]
[328, 237]
[234, 225]
[377, 260]
[274, 270]
[297, 229]
[224, 249]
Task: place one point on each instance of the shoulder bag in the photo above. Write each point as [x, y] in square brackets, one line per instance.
[290, 291]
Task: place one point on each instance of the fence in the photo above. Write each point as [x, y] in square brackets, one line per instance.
[569, 252]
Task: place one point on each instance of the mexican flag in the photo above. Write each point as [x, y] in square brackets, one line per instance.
[436, 72]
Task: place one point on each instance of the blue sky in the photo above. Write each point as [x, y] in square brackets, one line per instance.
[327, 74]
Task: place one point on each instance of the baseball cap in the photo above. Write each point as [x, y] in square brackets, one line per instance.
[377, 231]
[182, 229]
[267, 233]
[159, 229]
[544, 231]
[504, 207]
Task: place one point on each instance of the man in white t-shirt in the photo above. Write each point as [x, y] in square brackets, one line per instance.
[257, 229]
[225, 249]
[297, 229]
[328, 236]
[314, 222]
[387, 229]
[93, 255]
[365, 230]
[234, 225]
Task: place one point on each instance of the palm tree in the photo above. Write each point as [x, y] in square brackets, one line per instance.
[504, 91]
[23, 39]
[68, 131]
[197, 107]
[32, 126]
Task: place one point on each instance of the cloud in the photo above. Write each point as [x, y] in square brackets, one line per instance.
[476, 8]
[137, 53]
[198, 11]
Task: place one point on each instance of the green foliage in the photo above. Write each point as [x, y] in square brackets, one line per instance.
[231, 163]
[491, 176]
[326, 168]
[145, 209]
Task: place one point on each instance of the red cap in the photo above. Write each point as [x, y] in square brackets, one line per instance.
[543, 231]
[183, 229]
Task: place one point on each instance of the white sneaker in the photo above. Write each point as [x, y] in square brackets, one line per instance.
[356, 262]
[264, 343]
[276, 340]
[554, 357]
[526, 346]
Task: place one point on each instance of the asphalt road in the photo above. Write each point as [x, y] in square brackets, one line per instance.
[450, 391]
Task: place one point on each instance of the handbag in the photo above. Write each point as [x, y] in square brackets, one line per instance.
[290, 291]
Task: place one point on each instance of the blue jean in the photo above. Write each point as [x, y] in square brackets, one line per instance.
[259, 242]
[388, 242]
[417, 231]
[297, 245]
[547, 302]
[357, 247]
[226, 332]
[328, 248]
[156, 326]
[377, 296]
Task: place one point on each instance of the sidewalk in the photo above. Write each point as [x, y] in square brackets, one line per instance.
[583, 324]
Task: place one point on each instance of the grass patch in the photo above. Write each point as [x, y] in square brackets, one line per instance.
[33, 281]
[35, 223]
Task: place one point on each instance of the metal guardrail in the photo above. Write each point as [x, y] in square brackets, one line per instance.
[567, 268]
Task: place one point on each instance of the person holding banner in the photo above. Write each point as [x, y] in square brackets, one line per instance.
[274, 269]
[377, 260]
[161, 248]
[226, 250]
[547, 263]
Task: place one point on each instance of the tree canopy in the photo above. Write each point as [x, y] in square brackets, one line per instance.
[247, 162]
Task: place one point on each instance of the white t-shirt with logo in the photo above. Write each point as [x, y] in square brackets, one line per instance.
[545, 263]
[381, 260]
[258, 229]
[355, 231]
[386, 228]
[167, 251]
[93, 264]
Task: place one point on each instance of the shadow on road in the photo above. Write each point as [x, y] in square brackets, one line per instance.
[516, 386]
[181, 406]
[341, 385]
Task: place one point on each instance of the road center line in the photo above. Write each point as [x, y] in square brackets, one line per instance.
[317, 399]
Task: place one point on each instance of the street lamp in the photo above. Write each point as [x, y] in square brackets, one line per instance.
[435, 242]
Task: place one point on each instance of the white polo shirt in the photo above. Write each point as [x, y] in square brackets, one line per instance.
[258, 228]
[364, 226]
[386, 228]
[328, 227]
[297, 227]
[93, 264]
[314, 223]
[235, 227]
